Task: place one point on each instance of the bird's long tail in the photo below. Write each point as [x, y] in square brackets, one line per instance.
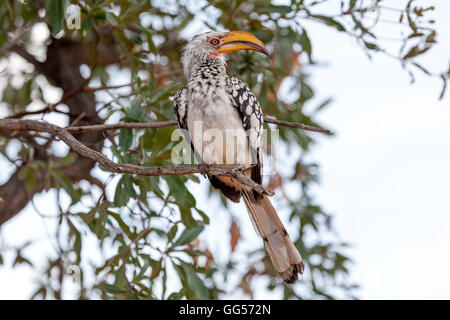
[284, 255]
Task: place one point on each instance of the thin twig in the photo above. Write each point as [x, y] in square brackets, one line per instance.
[114, 126]
[170, 123]
[295, 125]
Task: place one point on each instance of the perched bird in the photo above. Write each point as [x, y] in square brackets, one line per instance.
[224, 121]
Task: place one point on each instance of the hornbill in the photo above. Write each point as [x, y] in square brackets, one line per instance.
[224, 122]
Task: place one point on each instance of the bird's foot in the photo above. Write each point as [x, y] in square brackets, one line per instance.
[239, 168]
[204, 168]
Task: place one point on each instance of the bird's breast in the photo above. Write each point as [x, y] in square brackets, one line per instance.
[215, 127]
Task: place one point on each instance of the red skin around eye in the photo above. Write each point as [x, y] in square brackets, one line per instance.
[214, 54]
[215, 38]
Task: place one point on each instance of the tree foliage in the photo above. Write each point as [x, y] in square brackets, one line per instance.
[146, 230]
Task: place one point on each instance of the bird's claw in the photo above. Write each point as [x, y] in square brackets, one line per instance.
[204, 168]
[238, 169]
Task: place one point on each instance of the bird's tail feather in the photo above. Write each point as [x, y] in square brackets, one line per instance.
[284, 255]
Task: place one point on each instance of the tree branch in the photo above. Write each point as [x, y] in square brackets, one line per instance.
[153, 125]
[123, 125]
[86, 152]
[296, 125]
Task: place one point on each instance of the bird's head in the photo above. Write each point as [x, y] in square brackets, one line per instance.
[215, 45]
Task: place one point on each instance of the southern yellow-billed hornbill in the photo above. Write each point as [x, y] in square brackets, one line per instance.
[224, 122]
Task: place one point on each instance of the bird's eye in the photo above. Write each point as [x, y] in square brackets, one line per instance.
[214, 41]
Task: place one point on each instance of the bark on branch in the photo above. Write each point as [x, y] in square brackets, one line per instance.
[86, 152]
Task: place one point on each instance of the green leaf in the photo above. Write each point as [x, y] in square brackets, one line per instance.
[183, 197]
[125, 139]
[141, 274]
[124, 6]
[306, 44]
[172, 233]
[26, 174]
[351, 4]
[55, 10]
[188, 235]
[127, 181]
[160, 140]
[156, 268]
[134, 114]
[187, 219]
[69, 159]
[194, 283]
[162, 94]
[151, 44]
[77, 247]
[120, 197]
[3, 38]
[120, 281]
[330, 21]
[88, 217]
[431, 38]
[87, 24]
[204, 215]
[154, 184]
[125, 228]
[277, 9]
[371, 46]
[194, 253]
[67, 185]
[111, 18]
[113, 289]
[175, 296]
[414, 52]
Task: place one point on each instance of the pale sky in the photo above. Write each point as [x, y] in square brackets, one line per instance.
[385, 176]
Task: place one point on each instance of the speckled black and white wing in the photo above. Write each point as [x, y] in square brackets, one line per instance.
[180, 106]
[252, 118]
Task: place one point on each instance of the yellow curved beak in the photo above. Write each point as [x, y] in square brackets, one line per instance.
[241, 40]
